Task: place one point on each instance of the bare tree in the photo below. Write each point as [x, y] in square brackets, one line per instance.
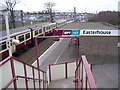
[11, 4]
[49, 7]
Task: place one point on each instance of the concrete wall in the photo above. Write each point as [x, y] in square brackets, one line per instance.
[99, 48]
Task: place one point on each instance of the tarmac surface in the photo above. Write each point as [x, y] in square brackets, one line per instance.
[105, 74]
[63, 83]
[60, 51]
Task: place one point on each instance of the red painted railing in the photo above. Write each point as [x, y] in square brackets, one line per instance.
[83, 75]
[65, 72]
[16, 77]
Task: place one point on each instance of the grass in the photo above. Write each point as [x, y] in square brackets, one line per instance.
[20, 25]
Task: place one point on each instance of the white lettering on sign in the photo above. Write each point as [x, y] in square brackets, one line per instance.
[67, 32]
[99, 33]
[75, 32]
[90, 32]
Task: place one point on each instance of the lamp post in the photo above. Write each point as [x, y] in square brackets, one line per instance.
[4, 10]
[9, 41]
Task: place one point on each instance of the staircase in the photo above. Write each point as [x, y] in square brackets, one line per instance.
[16, 73]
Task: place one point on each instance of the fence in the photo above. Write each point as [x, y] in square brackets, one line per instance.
[83, 75]
[61, 70]
[17, 74]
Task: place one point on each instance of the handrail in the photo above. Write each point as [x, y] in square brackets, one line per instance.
[64, 62]
[16, 77]
[88, 71]
[22, 61]
[78, 65]
[27, 64]
[30, 78]
[9, 83]
[57, 37]
[5, 60]
[83, 60]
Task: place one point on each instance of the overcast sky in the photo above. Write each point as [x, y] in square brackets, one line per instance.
[68, 5]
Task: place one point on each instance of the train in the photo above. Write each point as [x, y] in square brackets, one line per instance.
[26, 36]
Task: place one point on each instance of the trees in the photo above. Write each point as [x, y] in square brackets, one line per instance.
[111, 17]
[49, 7]
[11, 4]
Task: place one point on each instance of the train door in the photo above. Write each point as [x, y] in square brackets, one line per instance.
[44, 31]
[13, 47]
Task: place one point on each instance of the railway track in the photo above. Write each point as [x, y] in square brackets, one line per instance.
[29, 55]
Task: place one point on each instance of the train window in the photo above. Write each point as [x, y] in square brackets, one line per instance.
[36, 32]
[40, 31]
[27, 35]
[3, 46]
[21, 38]
[44, 29]
[49, 27]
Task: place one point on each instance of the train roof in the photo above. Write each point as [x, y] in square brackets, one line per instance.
[23, 29]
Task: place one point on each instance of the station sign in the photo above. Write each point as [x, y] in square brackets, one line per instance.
[71, 32]
[86, 32]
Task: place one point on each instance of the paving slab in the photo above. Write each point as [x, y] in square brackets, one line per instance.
[61, 51]
[106, 75]
[63, 83]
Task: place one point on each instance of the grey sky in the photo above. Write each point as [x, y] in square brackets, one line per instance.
[68, 5]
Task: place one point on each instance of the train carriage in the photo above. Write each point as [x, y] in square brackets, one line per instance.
[26, 36]
[24, 39]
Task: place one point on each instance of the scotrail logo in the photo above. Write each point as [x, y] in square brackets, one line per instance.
[75, 32]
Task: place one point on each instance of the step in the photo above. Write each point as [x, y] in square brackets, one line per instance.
[62, 83]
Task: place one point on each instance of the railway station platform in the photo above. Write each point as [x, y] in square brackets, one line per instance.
[59, 66]
[63, 50]
[72, 72]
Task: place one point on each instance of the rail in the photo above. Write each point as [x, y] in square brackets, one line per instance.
[61, 70]
[19, 74]
[28, 78]
[16, 73]
[83, 75]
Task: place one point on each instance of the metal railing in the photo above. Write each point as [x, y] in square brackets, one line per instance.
[83, 75]
[16, 73]
[61, 70]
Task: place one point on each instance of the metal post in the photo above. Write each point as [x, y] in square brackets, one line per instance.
[77, 48]
[36, 49]
[9, 42]
[13, 74]
[74, 13]
[26, 81]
